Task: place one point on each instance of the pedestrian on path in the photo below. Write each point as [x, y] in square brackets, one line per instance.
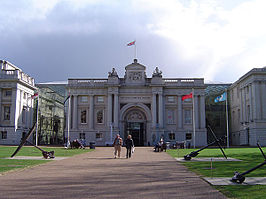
[117, 145]
[129, 145]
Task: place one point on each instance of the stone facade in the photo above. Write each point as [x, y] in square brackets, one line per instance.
[146, 108]
[248, 112]
[16, 103]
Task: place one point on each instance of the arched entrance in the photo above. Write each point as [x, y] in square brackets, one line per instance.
[135, 125]
[135, 120]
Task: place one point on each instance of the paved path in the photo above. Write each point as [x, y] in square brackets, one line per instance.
[97, 175]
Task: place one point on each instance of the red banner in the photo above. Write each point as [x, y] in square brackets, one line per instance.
[187, 96]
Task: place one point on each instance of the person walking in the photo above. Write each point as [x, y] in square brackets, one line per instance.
[117, 145]
[129, 145]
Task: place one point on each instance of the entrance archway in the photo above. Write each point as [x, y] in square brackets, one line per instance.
[135, 118]
[135, 125]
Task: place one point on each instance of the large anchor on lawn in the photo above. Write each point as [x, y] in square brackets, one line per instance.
[24, 140]
[240, 177]
[216, 142]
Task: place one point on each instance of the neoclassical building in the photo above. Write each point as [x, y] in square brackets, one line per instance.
[16, 103]
[147, 108]
[248, 108]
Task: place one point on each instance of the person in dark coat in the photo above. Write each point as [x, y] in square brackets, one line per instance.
[129, 145]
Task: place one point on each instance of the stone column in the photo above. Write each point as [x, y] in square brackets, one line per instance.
[20, 108]
[254, 104]
[250, 102]
[154, 110]
[244, 105]
[179, 113]
[241, 105]
[116, 109]
[75, 112]
[13, 107]
[196, 111]
[109, 110]
[161, 110]
[91, 111]
[202, 112]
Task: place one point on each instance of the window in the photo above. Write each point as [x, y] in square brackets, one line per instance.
[171, 136]
[100, 99]
[171, 99]
[25, 96]
[8, 93]
[188, 100]
[3, 135]
[82, 136]
[170, 116]
[6, 112]
[99, 136]
[83, 118]
[188, 119]
[188, 136]
[24, 114]
[84, 99]
[100, 117]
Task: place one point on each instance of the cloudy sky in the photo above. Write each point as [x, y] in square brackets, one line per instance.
[54, 40]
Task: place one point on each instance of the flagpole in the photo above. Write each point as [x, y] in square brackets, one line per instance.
[227, 126]
[135, 49]
[193, 109]
[37, 120]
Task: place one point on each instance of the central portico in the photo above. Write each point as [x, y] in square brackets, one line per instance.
[146, 108]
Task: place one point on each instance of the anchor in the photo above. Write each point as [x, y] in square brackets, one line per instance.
[217, 141]
[240, 177]
[46, 154]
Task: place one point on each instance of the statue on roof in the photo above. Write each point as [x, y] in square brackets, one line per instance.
[157, 73]
[113, 73]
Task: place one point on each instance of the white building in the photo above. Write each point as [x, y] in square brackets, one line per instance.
[16, 104]
[146, 108]
[248, 108]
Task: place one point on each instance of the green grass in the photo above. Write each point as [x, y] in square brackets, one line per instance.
[250, 157]
[11, 164]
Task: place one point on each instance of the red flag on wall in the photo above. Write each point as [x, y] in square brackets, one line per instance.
[187, 96]
[131, 43]
[34, 95]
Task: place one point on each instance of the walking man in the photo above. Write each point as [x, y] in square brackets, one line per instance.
[117, 145]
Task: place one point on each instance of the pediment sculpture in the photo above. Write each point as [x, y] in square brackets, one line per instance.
[157, 73]
[113, 73]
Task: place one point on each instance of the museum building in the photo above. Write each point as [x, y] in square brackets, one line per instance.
[148, 108]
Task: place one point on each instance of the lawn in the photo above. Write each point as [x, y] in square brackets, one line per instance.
[250, 157]
[11, 164]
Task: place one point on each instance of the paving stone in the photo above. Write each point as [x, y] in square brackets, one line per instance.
[97, 174]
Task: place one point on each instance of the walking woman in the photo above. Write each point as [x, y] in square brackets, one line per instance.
[129, 145]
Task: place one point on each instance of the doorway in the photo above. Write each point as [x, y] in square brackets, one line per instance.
[136, 130]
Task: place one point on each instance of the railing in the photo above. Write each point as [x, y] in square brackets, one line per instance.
[166, 81]
[183, 81]
[16, 74]
[87, 82]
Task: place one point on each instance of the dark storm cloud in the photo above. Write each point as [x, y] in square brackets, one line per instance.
[84, 43]
[54, 40]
